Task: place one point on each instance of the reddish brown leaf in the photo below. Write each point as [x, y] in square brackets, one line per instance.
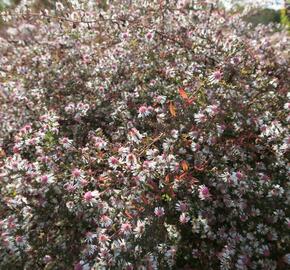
[182, 176]
[2, 153]
[184, 165]
[172, 109]
[183, 94]
[167, 178]
[128, 215]
[144, 199]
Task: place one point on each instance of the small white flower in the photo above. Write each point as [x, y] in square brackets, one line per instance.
[99, 143]
[200, 117]
[140, 228]
[287, 258]
[215, 77]
[194, 146]
[160, 99]
[287, 106]
[174, 133]
[144, 111]
[113, 162]
[135, 136]
[59, 6]
[90, 237]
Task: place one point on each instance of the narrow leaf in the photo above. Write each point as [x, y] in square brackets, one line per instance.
[172, 109]
[183, 94]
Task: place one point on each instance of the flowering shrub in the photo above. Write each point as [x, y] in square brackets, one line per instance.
[143, 135]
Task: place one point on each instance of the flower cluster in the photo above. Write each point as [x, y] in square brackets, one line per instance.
[143, 135]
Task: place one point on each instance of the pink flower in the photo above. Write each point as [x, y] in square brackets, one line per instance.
[26, 129]
[19, 239]
[144, 111]
[288, 222]
[70, 187]
[103, 239]
[204, 192]
[46, 179]
[149, 36]
[159, 211]
[125, 35]
[78, 266]
[181, 206]
[99, 143]
[160, 99]
[105, 221]
[65, 142]
[76, 173]
[16, 149]
[183, 218]
[86, 58]
[216, 76]
[212, 110]
[43, 159]
[47, 259]
[32, 141]
[131, 160]
[126, 228]
[135, 136]
[195, 253]
[200, 117]
[113, 162]
[84, 182]
[266, 253]
[90, 196]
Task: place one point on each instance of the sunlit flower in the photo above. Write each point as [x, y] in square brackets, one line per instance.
[91, 196]
[46, 179]
[113, 162]
[77, 173]
[131, 160]
[135, 136]
[126, 228]
[144, 111]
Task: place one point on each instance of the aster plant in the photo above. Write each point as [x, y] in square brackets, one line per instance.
[143, 135]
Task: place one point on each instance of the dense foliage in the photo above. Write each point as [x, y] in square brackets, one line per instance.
[143, 135]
